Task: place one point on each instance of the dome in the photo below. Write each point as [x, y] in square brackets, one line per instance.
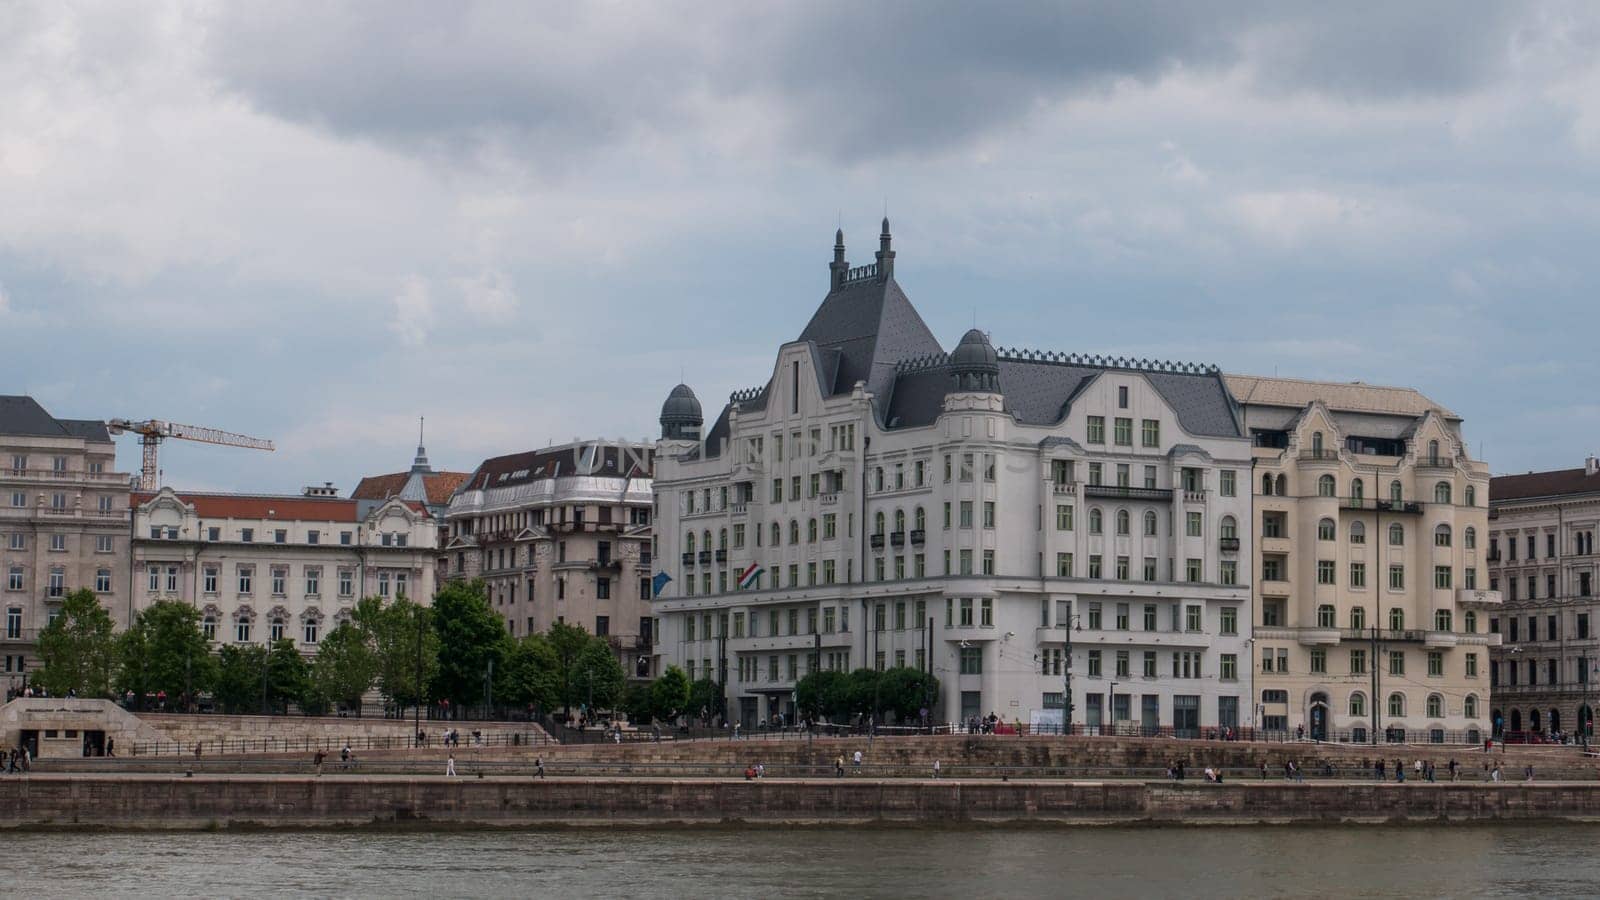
[680, 415]
[975, 364]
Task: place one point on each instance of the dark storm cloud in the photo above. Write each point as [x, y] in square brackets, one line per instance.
[848, 81]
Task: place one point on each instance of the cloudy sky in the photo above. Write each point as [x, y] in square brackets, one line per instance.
[316, 222]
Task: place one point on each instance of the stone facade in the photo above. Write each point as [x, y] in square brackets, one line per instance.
[880, 502]
[263, 567]
[1542, 559]
[63, 526]
[562, 535]
[1372, 596]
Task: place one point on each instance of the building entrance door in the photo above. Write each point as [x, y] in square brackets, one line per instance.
[1319, 718]
[748, 714]
[971, 704]
[1186, 716]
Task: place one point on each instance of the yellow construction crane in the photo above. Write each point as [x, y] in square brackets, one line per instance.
[153, 431]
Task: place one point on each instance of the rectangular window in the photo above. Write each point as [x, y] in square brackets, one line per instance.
[1150, 432]
[1229, 667]
[1441, 577]
[966, 514]
[1435, 663]
[1195, 524]
[1192, 570]
[1397, 662]
[1325, 571]
[1358, 662]
[1096, 430]
[1123, 668]
[1122, 432]
[1063, 565]
[1358, 575]
[988, 513]
[1397, 578]
[1228, 572]
[208, 580]
[1063, 517]
[1094, 663]
[966, 612]
[1228, 483]
[246, 576]
[986, 611]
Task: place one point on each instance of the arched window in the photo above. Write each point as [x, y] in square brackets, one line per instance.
[705, 539]
[277, 628]
[722, 539]
[1397, 619]
[688, 541]
[877, 521]
[1397, 704]
[1358, 618]
[1096, 521]
[1358, 532]
[1397, 535]
[1358, 489]
[1150, 523]
[1325, 614]
[1469, 707]
[1469, 621]
[1395, 492]
[1266, 485]
[1441, 492]
[1435, 706]
[1441, 535]
[1433, 452]
[1229, 527]
[899, 520]
[1469, 538]
[1471, 496]
[777, 534]
[919, 520]
[1316, 442]
[1283, 485]
[1122, 522]
[1326, 487]
[811, 530]
[1358, 704]
[1327, 530]
[794, 531]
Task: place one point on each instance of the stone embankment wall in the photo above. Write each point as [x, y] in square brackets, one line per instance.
[215, 730]
[297, 802]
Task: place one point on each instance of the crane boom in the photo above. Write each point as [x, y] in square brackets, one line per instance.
[153, 431]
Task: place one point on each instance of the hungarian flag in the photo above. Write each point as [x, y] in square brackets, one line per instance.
[749, 577]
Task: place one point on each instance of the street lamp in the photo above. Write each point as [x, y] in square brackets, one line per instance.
[1111, 706]
[1074, 620]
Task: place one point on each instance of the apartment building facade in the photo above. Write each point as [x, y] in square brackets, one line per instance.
[562, 535]
[63, 525]
[1373, 605]
[1050, 535]
[1542, 559]
[265, 567]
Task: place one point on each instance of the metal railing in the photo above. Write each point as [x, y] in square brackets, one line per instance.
[308, 744]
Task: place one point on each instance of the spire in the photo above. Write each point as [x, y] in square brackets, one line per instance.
[885, 255]
[838, 268]
[420, 463]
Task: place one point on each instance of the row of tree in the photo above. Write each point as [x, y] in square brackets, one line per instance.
[457, 650]
[839, 696]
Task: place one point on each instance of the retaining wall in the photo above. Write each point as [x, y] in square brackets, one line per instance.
[298, 802]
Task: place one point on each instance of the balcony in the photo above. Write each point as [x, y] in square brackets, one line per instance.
[1441, 639]
[1479, 598]
[1436, 462]
[1228, 544]
[722, 556]
[1194, 496]
[1064, 488]
[1389, 637]
[1273, 545]
[1127, 493]
[918, 536]
[1323, 455]
[897, 539]
[828, 498]
[705, 557]
[1274, 587]
[1317, 637]
[1493, 557]
[688, 558]
[738, 509]
[876, 541]
[1363, 504]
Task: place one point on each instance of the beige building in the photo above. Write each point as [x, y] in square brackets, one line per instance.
[1542, 559]
[63, 525]
[420, 484]
[260, 568]
[1372, 599]
[562, 535]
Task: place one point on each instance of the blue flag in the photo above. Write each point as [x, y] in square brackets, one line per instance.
[659, 582]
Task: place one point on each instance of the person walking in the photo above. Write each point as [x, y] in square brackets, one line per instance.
[1377, 770]
[316, 760]
[538, 766]
[450, 765]
[838, 766]
[858, 760]
[936, 768]
[1263, 770]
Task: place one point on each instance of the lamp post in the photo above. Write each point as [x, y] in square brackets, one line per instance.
[416, 716]
[1073, 621]
[1111, 709]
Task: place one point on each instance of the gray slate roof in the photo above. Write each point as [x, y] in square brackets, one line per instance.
[22, 415]
[872, 326]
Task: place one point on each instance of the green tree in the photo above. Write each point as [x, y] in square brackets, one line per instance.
[824, 694]
[705, 696]
[344, 669]
[568, 643]
[238, 682]
[669, 694]
[637, 703]
[165, 650]
[905, 692]
[529, 675]
[403, 642]
[288, 676]
[861, 691]
[471, 640]
[598, 675]
[78, 651]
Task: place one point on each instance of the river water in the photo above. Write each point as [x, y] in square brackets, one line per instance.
[1220, 861]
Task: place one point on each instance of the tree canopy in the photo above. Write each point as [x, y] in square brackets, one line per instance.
[471, 640]
[78, 651]
[404, 646]
[165, 650]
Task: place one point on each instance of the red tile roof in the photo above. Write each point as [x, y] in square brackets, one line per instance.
[1542, 484]
[441, 486]
[258, 506]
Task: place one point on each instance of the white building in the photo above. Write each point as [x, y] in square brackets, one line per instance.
[880, 497]
[260, 568]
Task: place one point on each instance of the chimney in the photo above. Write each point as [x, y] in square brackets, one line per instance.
[1591, 466]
